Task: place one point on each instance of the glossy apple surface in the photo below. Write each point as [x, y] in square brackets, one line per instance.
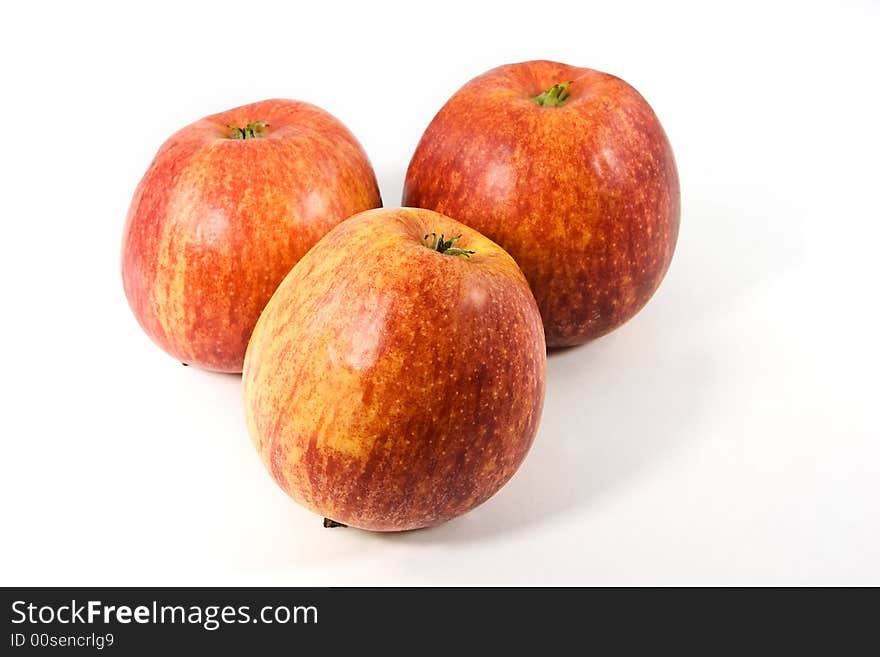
[390, 386]
[229, 204]
[576, 181]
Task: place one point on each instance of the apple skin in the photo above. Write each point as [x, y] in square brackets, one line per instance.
[216, 223]
[389, 386]
[584, 195]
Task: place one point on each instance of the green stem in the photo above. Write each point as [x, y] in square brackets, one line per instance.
[252, 130]
[446, 246]
[555, 95]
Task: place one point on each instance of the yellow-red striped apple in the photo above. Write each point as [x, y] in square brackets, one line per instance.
[570, 171]
[396, 378]
[229, 204]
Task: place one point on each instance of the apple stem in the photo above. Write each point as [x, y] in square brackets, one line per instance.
[446, 246]
[554, 96]
[333, 523]
[252, 130]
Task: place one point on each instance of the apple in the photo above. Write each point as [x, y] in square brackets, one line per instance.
[396, 378]
[229, 204]
[569, 170]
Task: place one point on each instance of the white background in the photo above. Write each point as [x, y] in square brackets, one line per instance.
[727, 435]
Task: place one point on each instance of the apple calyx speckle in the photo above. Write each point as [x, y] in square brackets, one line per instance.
[446, 246]
[252, 130]
[555, 95]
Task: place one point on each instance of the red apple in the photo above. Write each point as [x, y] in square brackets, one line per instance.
[396, 378]
[570, 171]
[228, 206]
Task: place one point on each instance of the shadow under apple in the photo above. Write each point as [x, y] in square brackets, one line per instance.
[606, 417]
